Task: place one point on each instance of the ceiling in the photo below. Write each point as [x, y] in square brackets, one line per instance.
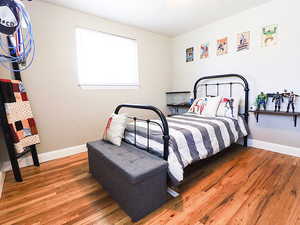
[169, 17]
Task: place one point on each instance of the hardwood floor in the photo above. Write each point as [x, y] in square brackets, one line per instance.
[241, 187]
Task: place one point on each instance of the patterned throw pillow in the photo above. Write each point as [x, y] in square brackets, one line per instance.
[229, 107]
[205, 106]
[115, 128]
[198, 105]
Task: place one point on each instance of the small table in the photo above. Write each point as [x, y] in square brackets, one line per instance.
[270, 112]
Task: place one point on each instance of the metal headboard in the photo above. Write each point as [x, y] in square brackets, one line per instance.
[244, 83]
[231, 85]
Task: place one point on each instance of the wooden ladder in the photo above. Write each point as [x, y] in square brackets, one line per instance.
[13, 155]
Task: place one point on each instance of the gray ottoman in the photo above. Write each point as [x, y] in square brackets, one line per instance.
[134, 178]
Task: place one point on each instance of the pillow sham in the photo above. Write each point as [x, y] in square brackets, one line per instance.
[212, 106]
[198, 105]
[115, 127]
[229, 107]
[205, 106]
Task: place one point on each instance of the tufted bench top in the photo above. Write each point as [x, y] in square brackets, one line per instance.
[133, 163]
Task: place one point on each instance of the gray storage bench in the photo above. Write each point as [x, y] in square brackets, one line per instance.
[134, 178]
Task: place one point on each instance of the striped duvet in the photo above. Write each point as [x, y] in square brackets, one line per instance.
[192, 138]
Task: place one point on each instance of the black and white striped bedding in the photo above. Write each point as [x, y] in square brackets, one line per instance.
[192, 138]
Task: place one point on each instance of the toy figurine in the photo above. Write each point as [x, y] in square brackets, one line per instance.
[291, 101]
[278, 98]
[285, 93]
[261, 99]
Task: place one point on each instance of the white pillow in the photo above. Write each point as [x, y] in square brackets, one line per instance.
[114, 130]
[205, 106]
[229, 107]
[212, 106]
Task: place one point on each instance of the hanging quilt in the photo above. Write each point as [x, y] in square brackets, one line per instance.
[19, 115]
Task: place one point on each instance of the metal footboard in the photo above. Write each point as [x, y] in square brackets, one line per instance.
[164, 126]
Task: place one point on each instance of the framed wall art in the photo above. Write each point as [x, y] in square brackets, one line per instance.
[190, 54]
[222, 46]
[269, 35]
[204, 51]
[243, 41]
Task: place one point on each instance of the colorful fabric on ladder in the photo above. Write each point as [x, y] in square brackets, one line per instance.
[19, 114]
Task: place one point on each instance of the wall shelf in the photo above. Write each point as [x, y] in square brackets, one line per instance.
[179, 105]
[270, 112]
[177, 92]
[178, 108]
[178, 102]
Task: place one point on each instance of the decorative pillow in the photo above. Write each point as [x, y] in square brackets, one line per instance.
[212, 106]
[229, 107]
[205, 106]
[115, 128]
[198, 105]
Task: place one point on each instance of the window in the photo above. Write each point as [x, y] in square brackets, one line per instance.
[106, 60]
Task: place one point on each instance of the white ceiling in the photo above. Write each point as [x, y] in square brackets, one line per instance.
[169, 17]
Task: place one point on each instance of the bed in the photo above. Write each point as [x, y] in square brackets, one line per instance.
[188, 138]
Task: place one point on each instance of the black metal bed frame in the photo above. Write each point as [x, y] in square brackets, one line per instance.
[164, 123]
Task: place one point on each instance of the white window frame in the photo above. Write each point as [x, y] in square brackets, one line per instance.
[105, 86]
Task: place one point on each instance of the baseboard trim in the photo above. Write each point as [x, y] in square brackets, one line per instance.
[283, 149]
[2, 178]
[57, 154]
[48, 156]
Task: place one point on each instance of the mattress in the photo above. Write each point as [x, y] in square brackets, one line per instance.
[192, 138]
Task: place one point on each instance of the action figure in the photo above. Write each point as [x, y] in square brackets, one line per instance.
[291, 101]
[278, 98]
[261, 99]
[285, 93]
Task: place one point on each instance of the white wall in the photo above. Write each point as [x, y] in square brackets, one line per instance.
[66, 115]
[267, 69]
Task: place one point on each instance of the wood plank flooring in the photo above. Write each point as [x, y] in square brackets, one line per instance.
[252, 187]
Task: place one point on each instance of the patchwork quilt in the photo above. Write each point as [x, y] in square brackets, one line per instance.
[19, 115]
